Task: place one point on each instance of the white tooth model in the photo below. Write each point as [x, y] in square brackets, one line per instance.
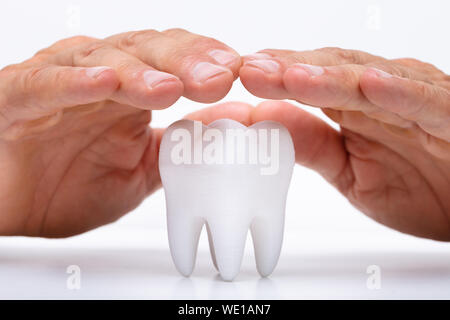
[230, 178]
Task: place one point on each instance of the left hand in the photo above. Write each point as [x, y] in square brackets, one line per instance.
[76, 148]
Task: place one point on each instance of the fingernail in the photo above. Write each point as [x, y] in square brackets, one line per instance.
[153, 78]
[310, 69]
[268, 66]
[381, 73]
[258, 55]
[95, 72]
[222, 57]
[205, 70]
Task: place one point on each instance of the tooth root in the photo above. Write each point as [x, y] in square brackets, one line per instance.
[211, 247]
[228, 238]
[184, 233]
[229, 197]
[267, 234]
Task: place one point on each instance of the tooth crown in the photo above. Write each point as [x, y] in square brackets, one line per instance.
[230, 178]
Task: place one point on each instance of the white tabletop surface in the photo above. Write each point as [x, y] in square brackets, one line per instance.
[131, 260]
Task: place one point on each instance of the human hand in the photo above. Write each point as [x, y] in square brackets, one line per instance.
[391, 158]
[76, 151]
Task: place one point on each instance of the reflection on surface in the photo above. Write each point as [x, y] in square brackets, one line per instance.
[150, 274]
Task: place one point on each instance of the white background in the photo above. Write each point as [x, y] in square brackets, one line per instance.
[328, 244]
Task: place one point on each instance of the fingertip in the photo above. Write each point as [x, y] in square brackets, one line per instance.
[164, 95]
[373, 79]
[101, 77]
[293, 78]
[303, 86]
[262, 84]
[252, 79]
[150, 89]
[160, 96]
[211, 89]
[236, 66]
[227, 58]
[85, 85]
[377, 87]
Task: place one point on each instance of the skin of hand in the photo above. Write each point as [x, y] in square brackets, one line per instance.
[76, 148]
[391, 156]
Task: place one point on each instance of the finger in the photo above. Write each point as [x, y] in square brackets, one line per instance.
[261, 73]
[63, 44]
[37, 92]
[317, 145]
[336, 87]
[389, 135]
[150, 159]
[382, 173]
[425, 104]
[425, 68]
[141, 85]
[329, 56]
[206, 66]
[45, 55]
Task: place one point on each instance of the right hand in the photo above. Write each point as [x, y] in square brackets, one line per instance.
[391, 156]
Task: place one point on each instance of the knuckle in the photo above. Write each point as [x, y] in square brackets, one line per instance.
[329, 49]
[295, 57]
[348, 55]
[342, 54]
[187, 58]
[174, 31]
[203, 43]
[90, 50]
[72, 41]
[408, 61]
[332, 50]
[134, 38]
[44, 52]
[32, 76]
[64, 43]
[351, 76]
[77, 40]
[273, 52]
[125, 64]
